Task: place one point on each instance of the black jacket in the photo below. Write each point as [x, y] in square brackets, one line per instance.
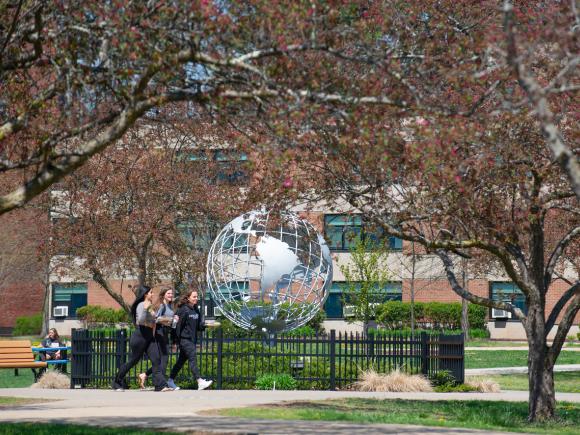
[190, 322]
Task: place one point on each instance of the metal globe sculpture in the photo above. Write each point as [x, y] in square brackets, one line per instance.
[269, 272]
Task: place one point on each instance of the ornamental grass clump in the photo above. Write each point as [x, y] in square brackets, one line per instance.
[52, 380]
[396, 382]
[483, 385]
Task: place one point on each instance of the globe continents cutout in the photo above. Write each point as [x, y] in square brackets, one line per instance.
[269, 271]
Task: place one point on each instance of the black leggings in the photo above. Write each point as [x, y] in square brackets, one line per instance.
[186, 353]
[163, 343]
[142, 341]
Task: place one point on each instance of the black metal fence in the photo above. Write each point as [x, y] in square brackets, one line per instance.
[316, 362]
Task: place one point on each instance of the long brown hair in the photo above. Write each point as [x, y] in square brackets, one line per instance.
[56, 336]
[183, 300]
[161, 297]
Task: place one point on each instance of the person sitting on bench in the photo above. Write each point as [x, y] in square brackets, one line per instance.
[52, 340]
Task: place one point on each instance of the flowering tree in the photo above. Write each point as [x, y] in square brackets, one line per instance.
[465, 164]
[129, 212]
[439, 120]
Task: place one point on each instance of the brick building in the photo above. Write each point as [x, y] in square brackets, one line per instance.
[22, 269]
[430, 282]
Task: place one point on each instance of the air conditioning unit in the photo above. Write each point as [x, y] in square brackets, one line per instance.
[500, 314]
[217, 312]
[61, 311]
[348, 310]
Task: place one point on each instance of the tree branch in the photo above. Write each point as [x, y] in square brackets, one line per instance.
[569, 294]
[564, 326]
[557, 252]
[457, 288]
[537, 97]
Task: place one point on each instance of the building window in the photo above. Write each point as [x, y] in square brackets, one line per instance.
[70, 295]
[198, 236]
[337, 297]
[232, 165]
[342, 231]
[508, 292]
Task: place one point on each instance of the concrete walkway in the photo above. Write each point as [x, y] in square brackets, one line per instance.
[571, 349]
[188, 410]
[513, 370]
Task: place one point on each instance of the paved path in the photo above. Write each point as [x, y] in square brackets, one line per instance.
[512, 370]
[571, 349]
[188, 410]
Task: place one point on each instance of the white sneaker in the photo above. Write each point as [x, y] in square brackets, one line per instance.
[202, 384]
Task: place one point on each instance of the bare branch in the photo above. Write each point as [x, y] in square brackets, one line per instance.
[569, 294]
[557, 252]
[564, 325]
[457, 288]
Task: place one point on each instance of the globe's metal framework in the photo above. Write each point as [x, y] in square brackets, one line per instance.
[269, 271]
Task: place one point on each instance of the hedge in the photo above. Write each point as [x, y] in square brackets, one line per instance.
[28, 325]
[96, 314]
[434, 315]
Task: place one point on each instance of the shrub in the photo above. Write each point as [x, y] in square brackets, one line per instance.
[96, 314]
[479, 333]
[443, 378]
[276, 381]
[28, 325]
[484, 385]
[437, 315]
[316, 323]
[458, 388]
[53, 379]
[396, 381]
[305, 330]
[476, 315]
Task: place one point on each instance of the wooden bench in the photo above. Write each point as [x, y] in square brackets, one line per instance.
[17, 354]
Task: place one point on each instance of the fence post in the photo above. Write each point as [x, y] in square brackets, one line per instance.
[72, 350]
[424, 354]
[121, 348]
[332, 359]
[220, 345]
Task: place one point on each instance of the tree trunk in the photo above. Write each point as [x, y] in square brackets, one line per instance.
[464, 303]
[542, 401]
[413, 264]
[465, 319]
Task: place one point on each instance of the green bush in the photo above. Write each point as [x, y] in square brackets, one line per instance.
[459, 388]
[271, 381]
[439, 315]
[479, 333]
[443, 378]
[28, 325]
[97, 314]
[476, 315]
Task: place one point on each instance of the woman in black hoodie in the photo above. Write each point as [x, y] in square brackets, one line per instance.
[190, 322]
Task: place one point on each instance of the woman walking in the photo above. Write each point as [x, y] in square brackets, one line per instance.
[143, 341]
[164, 319]
[190, 322]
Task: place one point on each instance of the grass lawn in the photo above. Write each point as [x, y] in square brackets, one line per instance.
[509, 358]
[501, 416]
[15, 401]
[24, 379]
[67, 429]
[565, 382]
[492, 343]
[484, 342]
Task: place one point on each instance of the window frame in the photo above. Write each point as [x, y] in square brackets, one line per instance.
[395, 243]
